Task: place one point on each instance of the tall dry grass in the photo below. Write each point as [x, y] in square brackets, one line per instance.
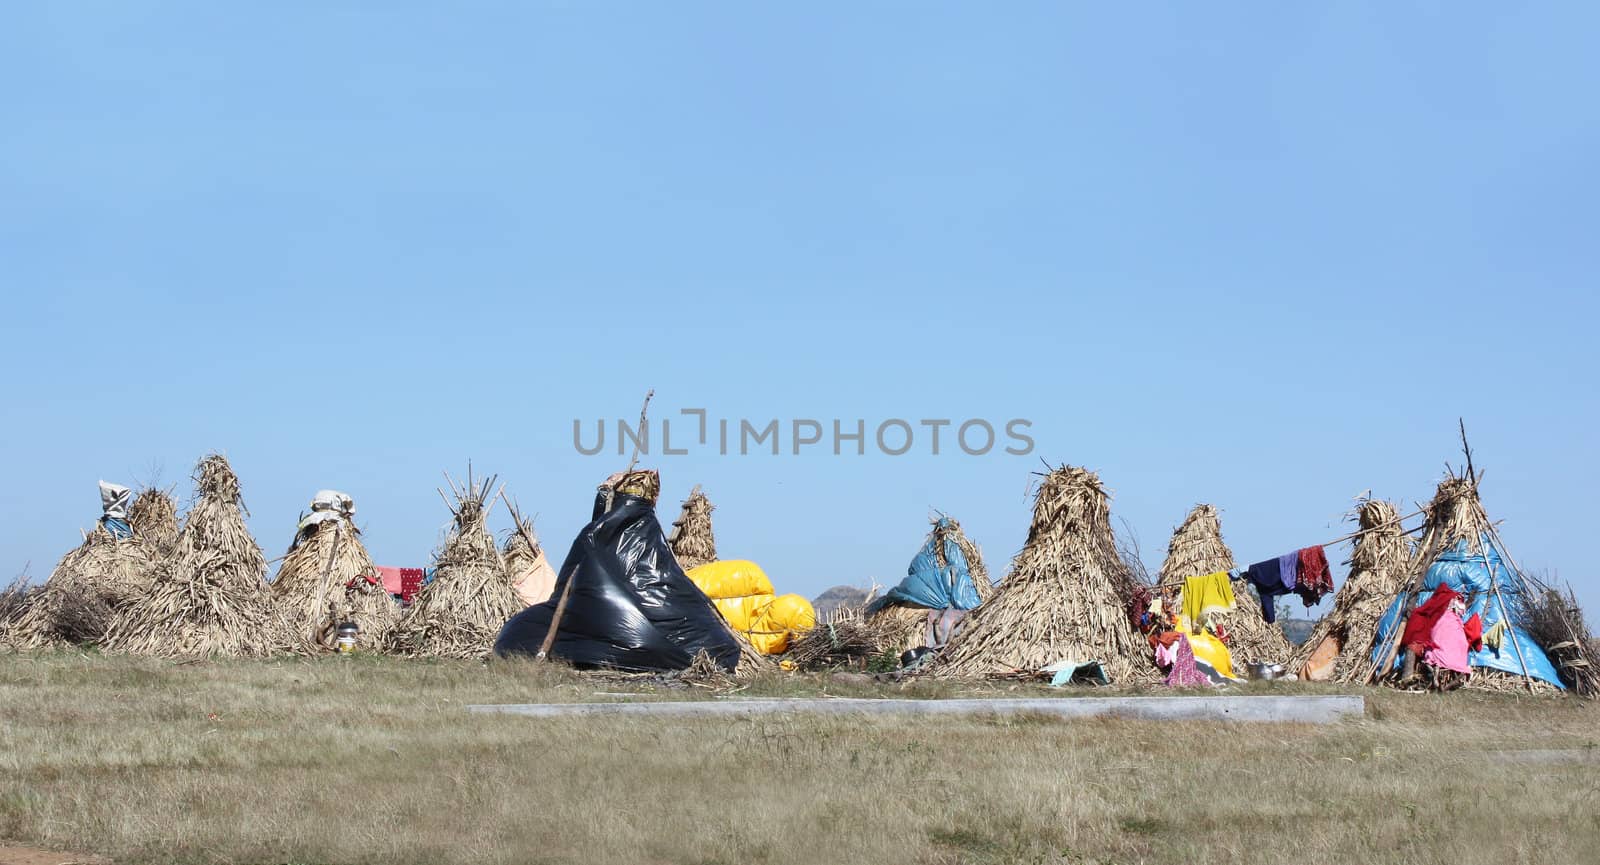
[372, 760]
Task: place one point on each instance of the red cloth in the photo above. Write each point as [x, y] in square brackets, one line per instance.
[1419, 628]
[1314, 579]
[405, 582]
[1474, 629]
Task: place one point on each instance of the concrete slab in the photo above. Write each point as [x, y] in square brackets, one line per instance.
[1287, 709]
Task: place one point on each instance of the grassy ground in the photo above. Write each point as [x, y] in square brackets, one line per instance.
[373, 760]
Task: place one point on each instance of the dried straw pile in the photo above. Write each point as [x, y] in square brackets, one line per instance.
[459, 613]
[79, 601]
[1378, 568]
[691, 538]
[1555, 621]
[328, 579]
[154, 518]
[1066, 597]
[211, 599]
[969, 550]
[14, 601]
[1196, 549]
[848, 638]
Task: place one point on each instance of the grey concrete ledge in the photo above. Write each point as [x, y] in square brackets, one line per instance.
[1303, 709]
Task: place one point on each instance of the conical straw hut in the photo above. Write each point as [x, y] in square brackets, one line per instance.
[327, 579]
[1340, 646]
[691, 538]
[1197, 549]
[904, 625]
[84, 593]
[527, 564]
[1066, 597]
[211, 599]
[460, 612]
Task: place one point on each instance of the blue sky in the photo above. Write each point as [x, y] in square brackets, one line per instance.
[1256, 255]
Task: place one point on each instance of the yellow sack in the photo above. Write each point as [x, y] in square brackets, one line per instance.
[735, 578]
[742, 613]
[786, 617]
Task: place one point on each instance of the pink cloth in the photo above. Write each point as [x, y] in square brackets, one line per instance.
[1449, 639]
[390, 578]
[1184, 672]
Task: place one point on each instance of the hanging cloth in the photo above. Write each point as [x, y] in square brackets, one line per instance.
[1273, 577]
[1314, 578]
[1203, 596]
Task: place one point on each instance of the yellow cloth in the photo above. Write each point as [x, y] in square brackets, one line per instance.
[1208, 648]
[1202, 596]
[1495, 637]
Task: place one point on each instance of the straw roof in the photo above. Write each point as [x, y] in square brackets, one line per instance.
[1066, 596]
[1197, 549]
[82, 596]
[328, 579]
[1378, 569]
[459, 614]
[904, 626]
[154, 519]
[969, 551]
[211, 598]
[691, 538]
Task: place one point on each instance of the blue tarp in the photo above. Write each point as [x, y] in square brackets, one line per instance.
[1472, 574]
[928, 585]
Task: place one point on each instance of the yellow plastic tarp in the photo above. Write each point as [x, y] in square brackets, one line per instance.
[735, 578]
[1208, 648]
[786, 617]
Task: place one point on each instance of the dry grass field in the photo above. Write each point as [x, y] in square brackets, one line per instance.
[373, 760]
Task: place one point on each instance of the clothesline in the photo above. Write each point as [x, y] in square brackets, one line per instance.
[1339, 540]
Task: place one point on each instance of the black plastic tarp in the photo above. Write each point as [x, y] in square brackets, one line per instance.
[631, 607]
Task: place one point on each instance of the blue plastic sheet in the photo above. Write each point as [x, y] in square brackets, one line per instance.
[928, 585]
[1472, 574]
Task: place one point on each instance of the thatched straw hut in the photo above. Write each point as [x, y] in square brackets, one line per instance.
[532, 575]
[1465, 545]
[459, 613]
[1066, 597]
[211, 599]
[904, 625]
[79, 601]
[154, 519]
[691, 538]
[327, 579]
[1340, 646]
[1197, 549]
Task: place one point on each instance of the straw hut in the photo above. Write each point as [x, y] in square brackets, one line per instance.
[211, 598]
[532, 575]
[154, 519]
[905, 624]
[1197, 549]
[691, 538]
[327, 579]
[1066, 597]
[460, 612]
[82, 596]
[1462, 548]
[1340, 646]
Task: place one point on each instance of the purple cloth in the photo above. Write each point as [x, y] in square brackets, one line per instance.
[1272, 578]
[1184, 673]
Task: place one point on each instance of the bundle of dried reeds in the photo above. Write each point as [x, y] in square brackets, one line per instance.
[14, 601]
[1555, 621]
[459, 613]
[705, 672]
[691, 538]
[951, 530]
[1377, 572]
[328, 579]
[211, 599]
[1066, 597]
[77, 604]
[154, 519]
[848, 638]
[900, 627]
[1197, 549]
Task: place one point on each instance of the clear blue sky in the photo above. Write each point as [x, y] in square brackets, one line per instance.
[1257, 255]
